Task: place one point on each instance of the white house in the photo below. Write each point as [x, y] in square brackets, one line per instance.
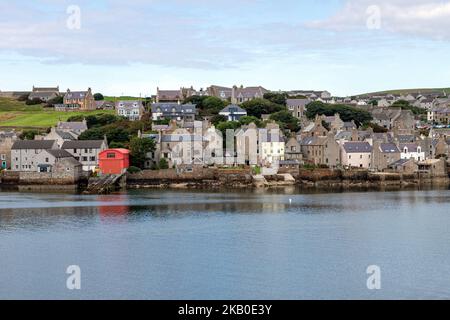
[412, 151]
[233, 112]
[132, 110]
[272, 146]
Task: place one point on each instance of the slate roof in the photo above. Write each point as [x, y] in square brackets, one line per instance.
[72, 126]
[181, 138]
[76, 95]
[33, 144]
[59, 154]
[83, 144]
[357, 147]
[166, 108]
[389, 148]
[131, 104]
[297, 102]
[233, 109]
[412, 147]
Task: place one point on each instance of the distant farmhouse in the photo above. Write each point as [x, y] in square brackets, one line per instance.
[44, 94]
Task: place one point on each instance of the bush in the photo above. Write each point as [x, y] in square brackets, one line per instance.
[163, 164]
[23, 97]
[33, 102]
[133, 170]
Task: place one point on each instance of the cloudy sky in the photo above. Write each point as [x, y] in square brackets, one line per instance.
[131, 47]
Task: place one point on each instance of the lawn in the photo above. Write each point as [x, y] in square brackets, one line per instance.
[15, 114]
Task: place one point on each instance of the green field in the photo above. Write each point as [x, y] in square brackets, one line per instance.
[15, 114]
[407, 91]
[124, 98]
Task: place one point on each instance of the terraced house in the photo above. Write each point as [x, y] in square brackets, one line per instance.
[86, 151]
[27, 155]
[173, 111]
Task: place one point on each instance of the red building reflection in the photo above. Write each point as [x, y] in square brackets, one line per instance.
[113, 205]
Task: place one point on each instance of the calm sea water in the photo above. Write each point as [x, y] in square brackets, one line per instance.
[234, 245]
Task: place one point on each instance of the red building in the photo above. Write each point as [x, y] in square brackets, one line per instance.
[114, 161]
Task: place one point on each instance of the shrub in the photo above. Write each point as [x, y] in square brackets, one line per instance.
[133, 170]
[163, 164]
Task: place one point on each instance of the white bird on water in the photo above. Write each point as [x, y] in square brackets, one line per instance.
[290, 201]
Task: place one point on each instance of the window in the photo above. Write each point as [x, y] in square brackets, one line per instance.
[3, 156]
[85, 158]
[92, 159]
[46, 160]
[111, 155]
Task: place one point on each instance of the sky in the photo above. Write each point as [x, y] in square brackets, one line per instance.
[131, 47]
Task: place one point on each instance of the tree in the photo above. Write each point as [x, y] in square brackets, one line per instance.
[33, 102]
[258, 107]
[56, 100]
[78, 118]
[346, 113]
[207, 106]
[28, 134]
[212, 106]
[286, 121]
[139, 148]
[99, 97]
[249, 119]
[23, 97]
[218, 119]
[276, 97]
[405, 105]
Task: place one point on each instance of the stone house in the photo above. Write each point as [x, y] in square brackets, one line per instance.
[83, 99]
[59, 136]
[6, 143]
[297, 107]
[293, 150]
[50, 158]
[440, 115]
[26, 155]
[384, 154]
[173, 96]
[86, 151]
[405, 166]
[314, 129]
[435, 167]
[220, 92]
[241, 94]
[68, 169]
[76, 128]
[321, 150]
[440, 147]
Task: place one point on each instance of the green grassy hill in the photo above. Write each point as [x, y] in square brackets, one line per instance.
[16, 114]
[407, 91]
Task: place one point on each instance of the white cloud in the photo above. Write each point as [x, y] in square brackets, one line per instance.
[423, 18]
